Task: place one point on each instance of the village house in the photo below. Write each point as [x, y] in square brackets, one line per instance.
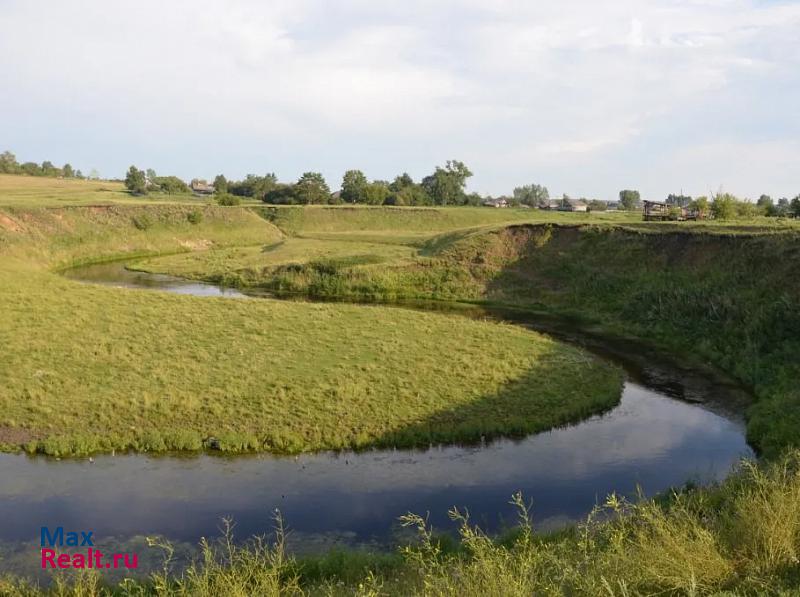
[573, 205]
[201, 187]
[500, 202]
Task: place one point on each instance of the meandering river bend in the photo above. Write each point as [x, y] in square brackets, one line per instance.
[671, 426]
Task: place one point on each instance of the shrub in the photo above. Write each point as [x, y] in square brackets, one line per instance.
[227, 199]
[195, 217]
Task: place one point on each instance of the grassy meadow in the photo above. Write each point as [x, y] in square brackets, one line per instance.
[724, 294]
[89, 368]
[154, 371]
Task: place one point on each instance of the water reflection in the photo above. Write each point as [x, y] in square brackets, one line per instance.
[650, 440]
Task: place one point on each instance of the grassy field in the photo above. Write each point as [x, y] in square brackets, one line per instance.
[250, 262]
[154, 371]
[39, 191]
[724, 294]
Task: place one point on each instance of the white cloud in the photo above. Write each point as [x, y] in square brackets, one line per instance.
[521, 89]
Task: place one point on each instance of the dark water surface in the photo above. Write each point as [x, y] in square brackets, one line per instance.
[654, 439]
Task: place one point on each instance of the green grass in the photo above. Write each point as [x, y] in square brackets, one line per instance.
[249, 262]
[727, 295]
[413, 221]
[157, 371]
[154, 371]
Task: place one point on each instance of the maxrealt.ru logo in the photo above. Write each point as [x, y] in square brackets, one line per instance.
[90, 558]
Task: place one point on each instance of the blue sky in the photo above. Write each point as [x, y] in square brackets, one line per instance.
[584, 97]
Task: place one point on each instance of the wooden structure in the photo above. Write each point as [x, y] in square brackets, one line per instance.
[201, 187]
[658, 211]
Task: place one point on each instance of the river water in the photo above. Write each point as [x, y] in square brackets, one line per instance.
[671, 426]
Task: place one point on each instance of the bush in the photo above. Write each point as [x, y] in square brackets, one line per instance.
[227, 199]
[195, 217]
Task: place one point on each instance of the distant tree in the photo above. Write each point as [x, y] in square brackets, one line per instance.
[135, 181]
[150, 175]
[354, 187]
[79, 175]
[723, 206]
[629, 199]
[700, 205]
[746, 209]
[31, 169]
[794, 207]
[597, 205]
[171, 185]
[532, 194]
[254, 186]
[264, 184]
[783, 207]
[766, 205]
[446, 185]
[282, 194]
[678, 200]
[49, 169]
[312, 188]
[474, 199]
[401, 182]
[413, 194]
[376, 193]
[220, 184]
[67, 171]
[8, 163]
[94, 174]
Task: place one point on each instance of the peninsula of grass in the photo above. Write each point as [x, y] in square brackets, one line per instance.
[724, 294]
[89, 368]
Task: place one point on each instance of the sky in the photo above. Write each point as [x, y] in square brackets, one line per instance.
[584, 97]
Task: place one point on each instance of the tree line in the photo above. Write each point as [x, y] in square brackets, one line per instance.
[723, 206]
[445, 186]
[10, 165]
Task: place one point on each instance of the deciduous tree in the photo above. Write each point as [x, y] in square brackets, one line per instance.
[532, 194]
[354, 187]
[446, 185]
[629, 199]
[135, 181]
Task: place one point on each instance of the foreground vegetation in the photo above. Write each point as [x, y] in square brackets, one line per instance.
[741, 538]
